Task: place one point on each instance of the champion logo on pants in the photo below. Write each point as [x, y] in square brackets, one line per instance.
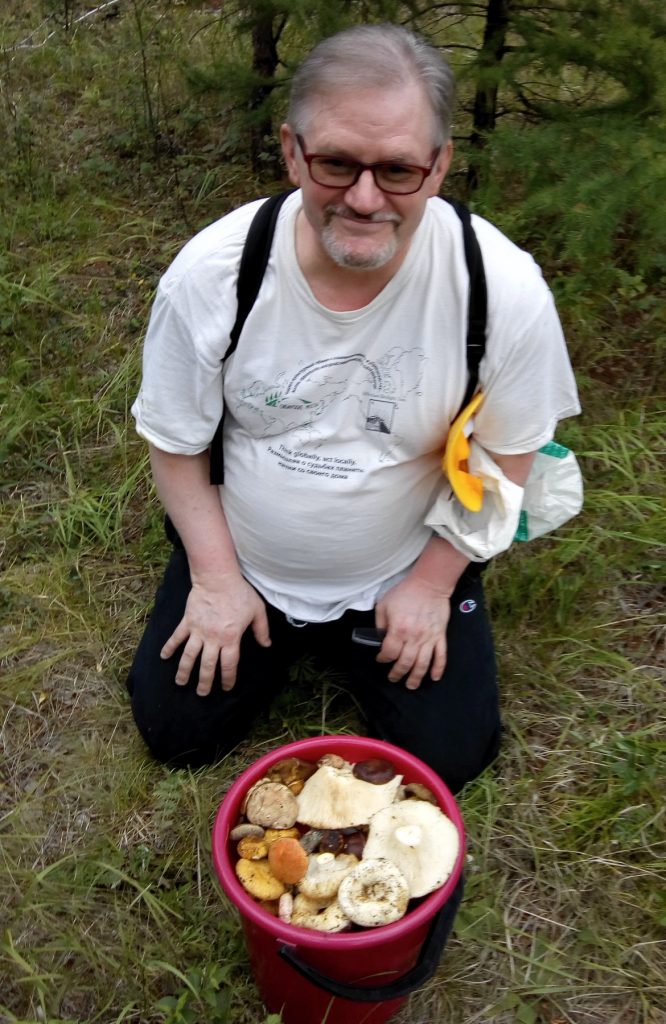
[467, 606]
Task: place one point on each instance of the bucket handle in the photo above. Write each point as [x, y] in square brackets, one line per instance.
[423, 970]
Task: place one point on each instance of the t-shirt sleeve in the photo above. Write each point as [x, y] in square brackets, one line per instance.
[180, 401]
[526, 374]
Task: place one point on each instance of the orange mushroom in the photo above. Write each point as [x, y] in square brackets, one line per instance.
[288, 860]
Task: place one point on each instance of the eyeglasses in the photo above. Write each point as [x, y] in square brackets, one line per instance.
[336, 172]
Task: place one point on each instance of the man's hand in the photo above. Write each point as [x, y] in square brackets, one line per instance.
[415, 614]
[216, 615]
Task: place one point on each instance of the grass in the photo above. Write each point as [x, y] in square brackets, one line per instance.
[109, 910]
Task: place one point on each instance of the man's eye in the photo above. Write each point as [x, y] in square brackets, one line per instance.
[397, 172]
[331, 165]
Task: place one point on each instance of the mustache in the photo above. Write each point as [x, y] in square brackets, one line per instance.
[340, 210]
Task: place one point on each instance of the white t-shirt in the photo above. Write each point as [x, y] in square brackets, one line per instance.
[335, 421]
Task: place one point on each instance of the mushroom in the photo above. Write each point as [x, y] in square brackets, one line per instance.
[257, 878]
[286, 907]
[271, 804]
[417, 791]
[288, 860]
[326, 917]
[332, 841]
[250, 791]
[292, 772]
[333, 761]
[311, 839]
[376, 770]
[419, 839]
[252, 848]
[324, 875]
[246, 829]
[271, 834]
[334, 798]
[355, 843]
[375, 893]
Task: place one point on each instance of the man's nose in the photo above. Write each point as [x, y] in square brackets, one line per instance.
[365, 196]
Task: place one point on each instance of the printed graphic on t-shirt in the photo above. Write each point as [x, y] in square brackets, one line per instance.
[380, 415]
[304, 407]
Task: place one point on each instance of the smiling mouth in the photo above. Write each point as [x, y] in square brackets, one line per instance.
[376, 220]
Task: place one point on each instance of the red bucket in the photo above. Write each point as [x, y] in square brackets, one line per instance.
[359, 977]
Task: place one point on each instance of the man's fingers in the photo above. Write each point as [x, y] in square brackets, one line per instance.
[187, 659]
[390, 650]
[207, 671]
[260, 628]
[414, 662]
[229, 656]
[178, 637]
[409, 659]
[438, 661]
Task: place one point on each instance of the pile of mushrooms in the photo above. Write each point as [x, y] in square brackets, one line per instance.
[334, 845]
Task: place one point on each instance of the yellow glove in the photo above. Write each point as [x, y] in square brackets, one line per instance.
[467, 488]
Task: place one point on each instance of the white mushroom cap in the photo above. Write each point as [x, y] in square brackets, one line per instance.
[419, 839]
[375, 893]
[334, 798]
[324, 874]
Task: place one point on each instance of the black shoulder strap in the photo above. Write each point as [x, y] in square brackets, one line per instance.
[478, 301]
[256, 252]
[254, 260]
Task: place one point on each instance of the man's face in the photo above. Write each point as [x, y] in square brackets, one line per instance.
[363, 227]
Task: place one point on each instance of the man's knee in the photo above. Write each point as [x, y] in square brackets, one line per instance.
[182, 729]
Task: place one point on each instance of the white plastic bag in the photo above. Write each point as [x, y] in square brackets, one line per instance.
[553, 492]
[479, 535]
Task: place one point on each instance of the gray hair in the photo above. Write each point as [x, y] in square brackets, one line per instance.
[371, 57]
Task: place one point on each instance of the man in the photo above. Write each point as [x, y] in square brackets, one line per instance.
[350, 369]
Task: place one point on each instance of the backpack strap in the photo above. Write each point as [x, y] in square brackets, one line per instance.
[254, 260]
[478, 301]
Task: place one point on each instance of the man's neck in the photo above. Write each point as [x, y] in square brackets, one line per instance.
[338, 288]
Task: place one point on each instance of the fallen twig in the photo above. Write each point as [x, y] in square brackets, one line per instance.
[27, 44]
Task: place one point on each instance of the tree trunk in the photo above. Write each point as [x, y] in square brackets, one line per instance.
[485, 98]
[263, 148]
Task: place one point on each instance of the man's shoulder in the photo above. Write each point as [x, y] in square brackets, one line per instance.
[516, 286]
[499, 252]
[219, 244]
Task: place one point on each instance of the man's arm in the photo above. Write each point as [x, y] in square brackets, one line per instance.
[221, 604]
[415, 613]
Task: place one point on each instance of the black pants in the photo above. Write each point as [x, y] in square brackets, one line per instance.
[453, 725]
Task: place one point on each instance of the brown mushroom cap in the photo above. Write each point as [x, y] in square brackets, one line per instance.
[376, 770]
[291, 770]
[288, 860]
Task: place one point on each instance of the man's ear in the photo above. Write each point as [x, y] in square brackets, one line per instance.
[441, 168]
[288, 143]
